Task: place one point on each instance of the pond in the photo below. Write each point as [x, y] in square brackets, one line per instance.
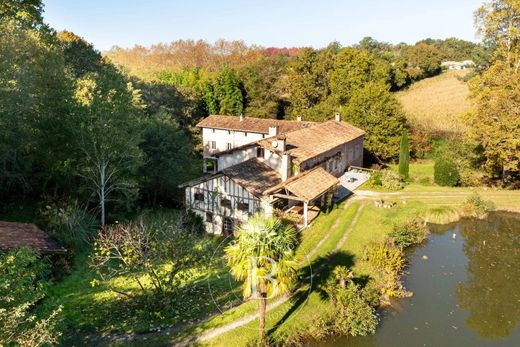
[466, 292]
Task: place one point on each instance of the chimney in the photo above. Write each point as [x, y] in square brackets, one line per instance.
[281, 140]
[273, 130]
[299, 118]
[285, 168]
[337, 117]
[241, 117]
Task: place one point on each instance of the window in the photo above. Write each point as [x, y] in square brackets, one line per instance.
[212, 130]
[245, 134]
[213, 144]
[259, 152]
[227, 226]
[228, 146]
[229, 132]
[263, 136]
[243, 206]
[198, 196]
[209, 217]
[224, 202]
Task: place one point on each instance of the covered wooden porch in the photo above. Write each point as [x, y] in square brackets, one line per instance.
[306, 194]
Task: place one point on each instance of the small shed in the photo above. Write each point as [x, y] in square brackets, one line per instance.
[15, 235]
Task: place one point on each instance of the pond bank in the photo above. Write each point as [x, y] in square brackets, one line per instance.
[465, 292]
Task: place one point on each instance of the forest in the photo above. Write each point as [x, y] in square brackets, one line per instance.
[94, 140]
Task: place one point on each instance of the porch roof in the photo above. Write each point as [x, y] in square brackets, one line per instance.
[308, 185]
[253, 175]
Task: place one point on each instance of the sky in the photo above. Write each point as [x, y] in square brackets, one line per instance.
[269, 23]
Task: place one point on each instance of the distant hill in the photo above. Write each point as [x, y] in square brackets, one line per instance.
[436, 103]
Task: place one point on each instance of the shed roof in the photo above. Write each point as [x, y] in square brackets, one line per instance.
[309, 184]
[251, 124]
[253, 175]
[308, 143]
[15, 235]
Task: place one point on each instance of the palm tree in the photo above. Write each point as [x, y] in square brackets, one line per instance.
[262, 255]
[343, 275]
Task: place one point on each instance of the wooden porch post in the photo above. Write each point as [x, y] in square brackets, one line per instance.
[305, 211]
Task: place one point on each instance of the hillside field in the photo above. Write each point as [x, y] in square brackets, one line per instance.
[437, 103]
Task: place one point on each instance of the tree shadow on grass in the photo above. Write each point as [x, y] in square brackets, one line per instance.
[316, 275]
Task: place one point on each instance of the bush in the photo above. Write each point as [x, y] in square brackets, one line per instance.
[22, 284]
[72, 225]
[412, 232]
[387, 179]
[159, 254]
[475, 206]
[446, 173]
[391, 180]
[351, 313]
[388, 261]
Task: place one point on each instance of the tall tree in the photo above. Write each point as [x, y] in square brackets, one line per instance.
[223, 93]
[423, 60]
[404, 156]
[26, 14]
[263, 87]
[353, 69]
[308, 82]
[34, 101]
[498, 23]
[495, 122]
[262, 255]
[375, 109]
[106, 136]
[169, 159]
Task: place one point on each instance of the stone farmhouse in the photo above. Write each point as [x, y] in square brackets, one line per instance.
[274, 166]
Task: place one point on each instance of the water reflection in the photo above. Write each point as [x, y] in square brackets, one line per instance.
[491, 293]
[466, 293]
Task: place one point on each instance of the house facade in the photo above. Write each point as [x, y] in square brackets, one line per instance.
[273, 166]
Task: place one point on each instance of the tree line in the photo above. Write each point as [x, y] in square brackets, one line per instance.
[75, 127]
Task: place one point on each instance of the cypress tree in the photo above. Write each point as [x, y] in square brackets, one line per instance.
[404, 156]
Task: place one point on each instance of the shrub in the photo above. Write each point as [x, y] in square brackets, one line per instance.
[351, 313]
[446, 172]
[475, 206]
[159, 255]
[375, 180]
[387, 259]
[70, 224]
[22, 285]
[414, 231]
[391, 180]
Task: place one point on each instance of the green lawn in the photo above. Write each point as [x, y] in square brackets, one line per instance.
[90, 309]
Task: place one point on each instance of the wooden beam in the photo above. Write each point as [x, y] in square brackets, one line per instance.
[290, 197]
[305, 214]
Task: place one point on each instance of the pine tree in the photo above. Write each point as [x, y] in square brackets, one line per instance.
[404, 156]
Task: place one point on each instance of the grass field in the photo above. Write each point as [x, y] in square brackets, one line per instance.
[436, 103]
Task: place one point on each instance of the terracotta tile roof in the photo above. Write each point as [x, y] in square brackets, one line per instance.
[253, 175]
[308, 143]
[308, 185]
[14, 235]
[250, 124]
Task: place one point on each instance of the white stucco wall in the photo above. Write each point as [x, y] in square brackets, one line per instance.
[223, 137]
[236, 157]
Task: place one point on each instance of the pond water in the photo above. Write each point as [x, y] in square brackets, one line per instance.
[467, 293]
